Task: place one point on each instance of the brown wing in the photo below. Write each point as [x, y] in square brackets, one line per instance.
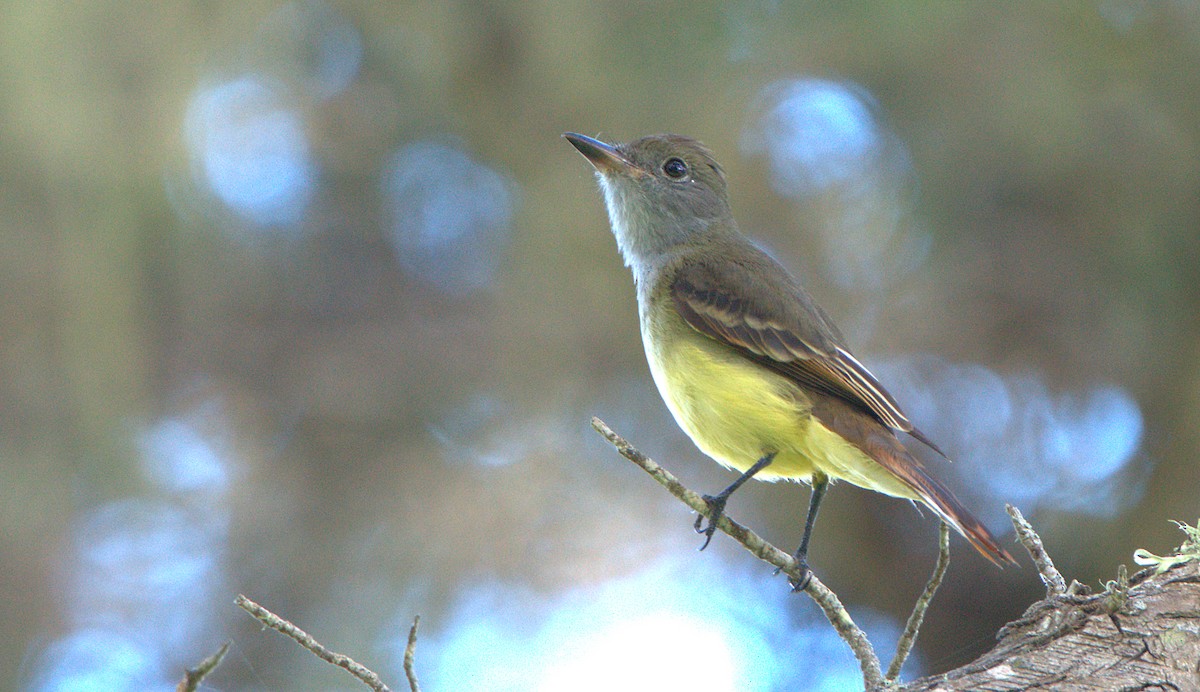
[793, 336]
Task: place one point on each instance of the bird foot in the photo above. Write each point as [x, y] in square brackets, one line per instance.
[716, 509]
[806, 575]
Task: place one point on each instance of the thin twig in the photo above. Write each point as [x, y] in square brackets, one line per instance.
[854, 637]
[409, 653]
[192, 677]
[266, 617]
[905, 645]
[1051, 577]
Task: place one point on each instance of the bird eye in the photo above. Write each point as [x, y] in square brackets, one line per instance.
[675, 168]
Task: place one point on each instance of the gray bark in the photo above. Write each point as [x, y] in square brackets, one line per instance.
[1095, 643]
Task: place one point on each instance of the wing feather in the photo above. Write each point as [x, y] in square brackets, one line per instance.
[781, 340]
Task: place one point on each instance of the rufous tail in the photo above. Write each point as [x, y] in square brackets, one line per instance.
[948, 507]
[892, 455]
[869, 435]
[950, 510]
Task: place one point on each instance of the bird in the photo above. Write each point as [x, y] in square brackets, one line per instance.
[752, 369]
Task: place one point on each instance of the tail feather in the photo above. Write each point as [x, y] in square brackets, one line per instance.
[950, 510]
[891, 454]
[880, 443]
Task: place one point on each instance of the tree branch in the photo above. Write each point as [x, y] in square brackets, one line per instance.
[364, 674]
[194, 676]
[409, 653]
[1051, 577]
[1136, 636]
[828, 601]
[905, 645]
[1138, 633]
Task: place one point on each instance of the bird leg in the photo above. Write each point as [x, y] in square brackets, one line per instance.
[716, 503]
[820, 482]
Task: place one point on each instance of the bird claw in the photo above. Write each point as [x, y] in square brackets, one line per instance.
[716, 509]
[805, 579]
[806, 575]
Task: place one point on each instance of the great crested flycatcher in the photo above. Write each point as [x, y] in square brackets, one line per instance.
[751, 367]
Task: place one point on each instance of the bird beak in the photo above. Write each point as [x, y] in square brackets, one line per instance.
[605, 157]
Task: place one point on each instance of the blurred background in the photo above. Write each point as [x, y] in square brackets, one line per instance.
[309, 301]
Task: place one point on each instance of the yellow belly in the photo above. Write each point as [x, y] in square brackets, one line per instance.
[737, 412]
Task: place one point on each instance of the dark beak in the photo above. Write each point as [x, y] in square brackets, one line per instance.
[605, 157]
